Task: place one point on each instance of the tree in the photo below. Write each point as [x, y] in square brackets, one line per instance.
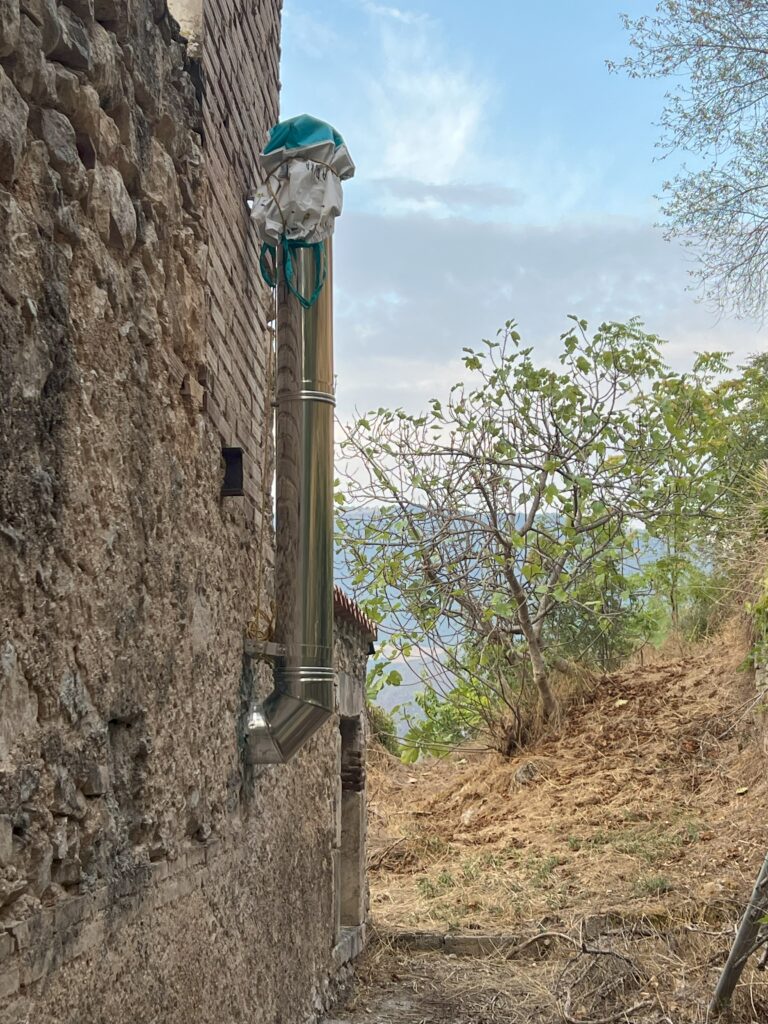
[468, 528]
[717, 51]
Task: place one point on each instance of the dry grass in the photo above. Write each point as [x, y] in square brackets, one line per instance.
[643, 817]
[645, 978]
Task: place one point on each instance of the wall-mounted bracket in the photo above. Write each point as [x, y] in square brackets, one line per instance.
[262, 649]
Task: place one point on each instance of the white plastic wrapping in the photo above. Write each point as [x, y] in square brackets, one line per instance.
[302, 196]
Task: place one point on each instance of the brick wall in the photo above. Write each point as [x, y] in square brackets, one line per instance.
[241, 53]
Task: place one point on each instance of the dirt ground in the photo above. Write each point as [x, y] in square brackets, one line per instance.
[628, 840]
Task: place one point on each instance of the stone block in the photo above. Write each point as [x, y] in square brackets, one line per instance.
[117, 16]
[10, 980]
[37, 962]
[106, 71]
[352, 874]
[45, 15]
[193, 392]
[6, 840]
[336, 871]
[94, 779]
[74, 46]
[34, 930]
[11, 888]
[82, 8]
[68, 871]
[72, 911]
[67, 799]
[40, 860]
[83, 938]
[350, 946]
[58, 135]
[426, 941]
[7, 946]
[159, 869]
[110, 206]
[108, 10]
[9, 26]
[351, 695]
[13, 128]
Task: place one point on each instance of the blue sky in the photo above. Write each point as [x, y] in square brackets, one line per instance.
[502, 173]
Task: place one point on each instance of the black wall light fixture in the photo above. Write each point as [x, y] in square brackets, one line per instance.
[233, 472]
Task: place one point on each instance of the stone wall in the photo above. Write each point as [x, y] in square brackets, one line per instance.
[145, 873]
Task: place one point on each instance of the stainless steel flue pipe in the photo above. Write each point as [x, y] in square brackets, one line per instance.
[303, 697]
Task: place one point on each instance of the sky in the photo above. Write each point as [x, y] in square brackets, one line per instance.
[502, 173]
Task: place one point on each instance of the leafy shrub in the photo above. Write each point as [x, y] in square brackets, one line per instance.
[382, 726]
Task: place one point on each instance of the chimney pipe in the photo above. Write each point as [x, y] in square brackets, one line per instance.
[303, 697]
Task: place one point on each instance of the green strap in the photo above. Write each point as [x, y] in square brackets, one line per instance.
[321, 268]
[267, 271]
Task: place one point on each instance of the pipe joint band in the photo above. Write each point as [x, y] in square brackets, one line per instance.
[307, 683]
[306, 396]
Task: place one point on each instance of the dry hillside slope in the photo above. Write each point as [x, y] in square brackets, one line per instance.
[632, 837]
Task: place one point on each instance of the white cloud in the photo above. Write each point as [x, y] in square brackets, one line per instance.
[396, 13]
[309, 36]
[425, 108]
[411, 292]
[406, 195]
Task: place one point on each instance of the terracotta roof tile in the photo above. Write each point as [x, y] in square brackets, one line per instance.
[350, 611]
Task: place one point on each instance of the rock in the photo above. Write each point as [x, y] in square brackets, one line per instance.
[11, 289]
[13, 128]
[67, 88]
[150, 74]
[111, 208]
[46, 16]
[80, 103]
[65, 222]
[9, 26]
[74, 46]
[44, 89]
[74, 697]
[129, 169]
[59, 839]
[6, 840]
[40, 858]
[25, 66]
[67, 872]
[105, 75]
[86, 112]
[59, 136]
[84, 9]
[94, 779]
[527, 772]
[67, 799]
[18, 705]
[109, 10]
[107, 139]
[11, 889]
[160, 183]
[32, 75]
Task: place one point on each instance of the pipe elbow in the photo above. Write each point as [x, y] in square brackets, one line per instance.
[291, 714]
